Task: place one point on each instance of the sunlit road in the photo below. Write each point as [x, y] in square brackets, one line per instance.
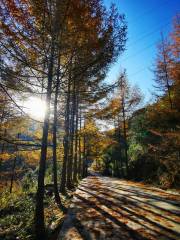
[108, 209]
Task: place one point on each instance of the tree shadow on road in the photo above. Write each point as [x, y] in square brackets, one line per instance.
[105, 210]
[122, 228]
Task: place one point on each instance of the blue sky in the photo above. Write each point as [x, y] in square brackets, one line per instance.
[146, 20]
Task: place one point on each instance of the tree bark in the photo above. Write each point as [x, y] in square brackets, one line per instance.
[84, 158]
[76, 142]
[120, 150]
[56, 193]
[13, 172]
[125, 136]
[80, 160]
[39, 211]
[71, 150]
[66, 142]
[13, 168]
[166, 74]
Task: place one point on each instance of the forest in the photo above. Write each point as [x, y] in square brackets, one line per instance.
[61, 122]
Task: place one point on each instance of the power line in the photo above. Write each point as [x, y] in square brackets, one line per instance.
[138, 52]
[138, 71]
[144, 36]
[150, 33]
[139, 17]
[142, 50]
[141, 38]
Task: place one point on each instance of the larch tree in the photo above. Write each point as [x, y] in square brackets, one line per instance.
[49, 48]
[93, 53]
[130, 97]
[163, 80]
[118, 110]
[175, 64]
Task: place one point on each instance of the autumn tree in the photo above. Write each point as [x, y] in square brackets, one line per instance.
[174, 70]
[118, 111]
[163, 79]
[154, 130]
[87, 70]
[47, 48]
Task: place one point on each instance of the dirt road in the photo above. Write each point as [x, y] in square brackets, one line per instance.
[106, 208]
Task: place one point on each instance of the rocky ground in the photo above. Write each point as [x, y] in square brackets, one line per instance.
[106, 208]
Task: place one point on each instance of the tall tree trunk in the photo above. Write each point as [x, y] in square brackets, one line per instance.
[76, 141]
[13, 168]
[80, 160]
[167, 84]
[84, 158]
[71, 152]
[56, 193]
[125, 136]
[13, 171]
[166, 73]
[66, 142]
[39, 211]
[3, 144]
[120, 164]
[13, 174]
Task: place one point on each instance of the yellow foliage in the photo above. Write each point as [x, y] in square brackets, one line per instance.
[6, 156]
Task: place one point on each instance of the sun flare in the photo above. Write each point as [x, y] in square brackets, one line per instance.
[35, 107]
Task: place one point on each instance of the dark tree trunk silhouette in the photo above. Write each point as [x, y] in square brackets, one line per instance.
[76, 142]
[167, 76]
[125, 135]
[120, 164]
[14, 168]
[79, 160]
[39, 211]
[13, 172]
[56, 193]
[84, 158]
[72, 163]
[66, 142]
[71, 145]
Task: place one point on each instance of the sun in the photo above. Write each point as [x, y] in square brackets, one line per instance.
[35, 107]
